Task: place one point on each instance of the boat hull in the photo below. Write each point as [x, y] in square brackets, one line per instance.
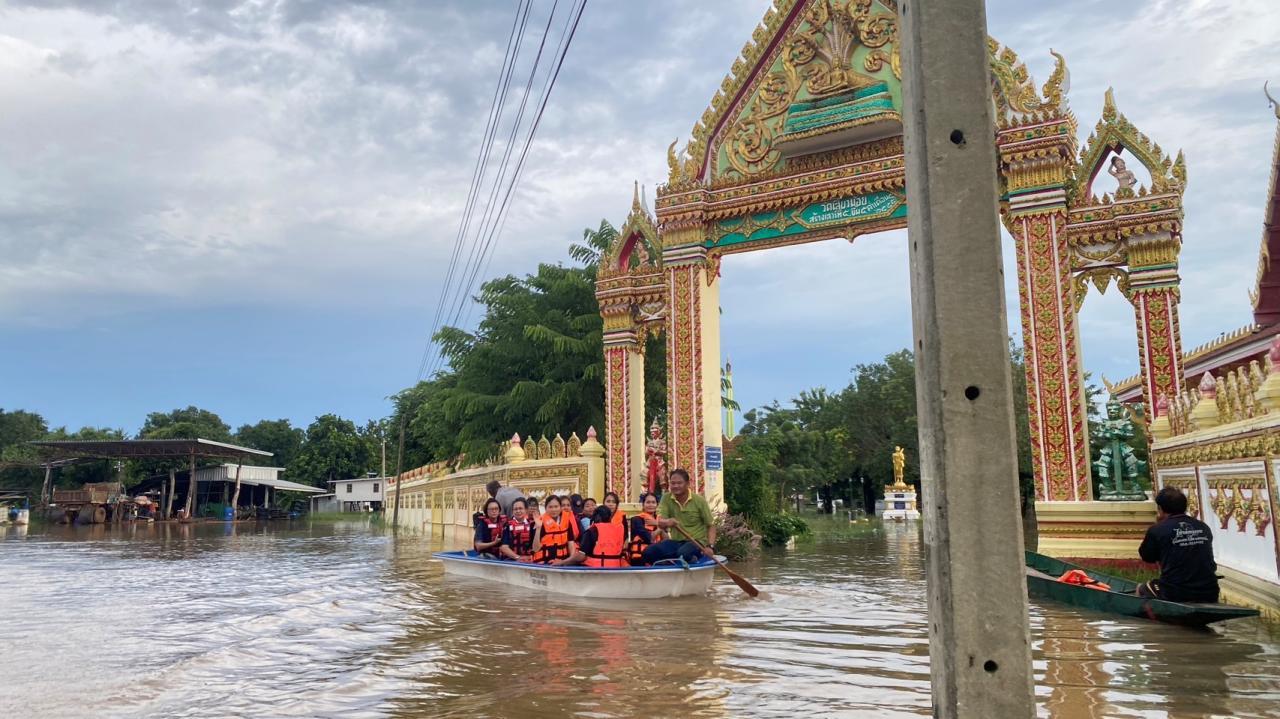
[621, 583]
[1121, 599]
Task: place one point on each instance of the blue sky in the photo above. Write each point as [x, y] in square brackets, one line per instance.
[248, 207]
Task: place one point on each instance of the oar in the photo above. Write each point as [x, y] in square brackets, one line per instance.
[742, 583]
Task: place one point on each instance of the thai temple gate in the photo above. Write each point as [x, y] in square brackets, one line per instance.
[803, 142]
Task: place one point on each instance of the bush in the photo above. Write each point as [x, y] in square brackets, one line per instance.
[777, 529]
[746, 483]
[735, 538]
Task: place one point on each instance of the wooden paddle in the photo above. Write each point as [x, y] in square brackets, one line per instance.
[742, 583]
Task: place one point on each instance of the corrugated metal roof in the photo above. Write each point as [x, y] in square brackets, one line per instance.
[142, 448]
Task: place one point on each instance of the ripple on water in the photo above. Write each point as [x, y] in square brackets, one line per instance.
[316, 620]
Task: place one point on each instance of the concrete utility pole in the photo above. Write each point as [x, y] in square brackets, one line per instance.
[979, 649]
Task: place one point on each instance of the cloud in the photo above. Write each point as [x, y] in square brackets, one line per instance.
[205, 155]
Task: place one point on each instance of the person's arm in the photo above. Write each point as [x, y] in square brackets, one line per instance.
[578, 552]
[666, 513]
[537, 538]
[505, 549]
[1149, 550]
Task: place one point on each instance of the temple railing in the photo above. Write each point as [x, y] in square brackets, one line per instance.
[435, 496]
[1241, 395]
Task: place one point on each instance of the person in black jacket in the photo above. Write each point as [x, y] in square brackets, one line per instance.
[1183, 546]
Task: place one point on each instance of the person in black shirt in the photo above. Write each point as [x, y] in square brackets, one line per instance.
[1183, 546]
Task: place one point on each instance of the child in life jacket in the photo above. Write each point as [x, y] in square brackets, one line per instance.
[489, 529]
[604, 544]
[555, 537]
[517, 534]
[531, 510]
[588, 511]
[644, 528]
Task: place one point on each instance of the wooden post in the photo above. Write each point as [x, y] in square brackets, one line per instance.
[168, 497]
[980, 653]
[235, 497]
[46, 488]
[191, 489]
[395, 511]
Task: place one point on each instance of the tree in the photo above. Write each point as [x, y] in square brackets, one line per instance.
[189, 423]
[18, 460]
[277, 436]
[534, 365]
[333, 450]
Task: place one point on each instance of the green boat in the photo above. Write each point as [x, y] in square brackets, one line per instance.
[1042, 581]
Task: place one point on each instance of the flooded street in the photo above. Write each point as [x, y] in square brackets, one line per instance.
[324, 620]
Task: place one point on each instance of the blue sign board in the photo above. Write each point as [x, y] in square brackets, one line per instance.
[715, 459]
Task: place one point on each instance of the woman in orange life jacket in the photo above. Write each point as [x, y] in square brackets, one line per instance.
[517, 534]
[604, 544]
[644, 528]
[555, 539]
[489, 529]
[611, 501]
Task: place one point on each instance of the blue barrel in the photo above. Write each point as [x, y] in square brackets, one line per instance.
[228, 513]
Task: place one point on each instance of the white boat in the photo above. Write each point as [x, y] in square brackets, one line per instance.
[667, 580]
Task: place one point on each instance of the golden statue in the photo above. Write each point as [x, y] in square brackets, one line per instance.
[899, 466]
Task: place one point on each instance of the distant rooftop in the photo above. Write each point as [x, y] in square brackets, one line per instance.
[148, 448]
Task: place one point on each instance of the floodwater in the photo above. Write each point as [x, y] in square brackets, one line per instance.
[341, 619]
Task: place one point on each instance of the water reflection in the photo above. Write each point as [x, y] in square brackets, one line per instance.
[296, 619]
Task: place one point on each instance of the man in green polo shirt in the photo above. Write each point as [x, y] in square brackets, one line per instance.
[692, 513]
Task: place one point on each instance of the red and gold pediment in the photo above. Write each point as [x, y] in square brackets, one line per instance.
[817, 75]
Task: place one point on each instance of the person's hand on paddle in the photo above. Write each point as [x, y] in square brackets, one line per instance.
[709, 551]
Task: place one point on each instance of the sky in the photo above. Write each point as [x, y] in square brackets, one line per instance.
[250, 206]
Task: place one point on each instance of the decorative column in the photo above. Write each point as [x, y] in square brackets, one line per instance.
[1153, 283]
[693, 367]
[624, 409]
[1034, 159]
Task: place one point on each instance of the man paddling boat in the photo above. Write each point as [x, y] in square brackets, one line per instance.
[679, 510]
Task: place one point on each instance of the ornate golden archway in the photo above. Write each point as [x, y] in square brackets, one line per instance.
[803, 142]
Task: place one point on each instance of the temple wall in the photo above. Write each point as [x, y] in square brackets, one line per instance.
[1220, 444]
[434, 499]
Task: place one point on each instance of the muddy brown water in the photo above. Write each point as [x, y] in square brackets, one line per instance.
[328, 619]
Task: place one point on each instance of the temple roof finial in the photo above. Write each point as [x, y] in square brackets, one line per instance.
[1275, 104]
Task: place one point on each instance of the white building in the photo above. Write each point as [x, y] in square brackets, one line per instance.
[361, 494]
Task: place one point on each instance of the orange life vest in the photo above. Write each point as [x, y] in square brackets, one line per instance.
[521, 536]
[1078, 576]
[555, 537]
[637, 545]
[608, 551]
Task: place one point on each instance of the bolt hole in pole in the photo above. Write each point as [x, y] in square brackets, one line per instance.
[991, 666]
[971, 393]
[957, 138]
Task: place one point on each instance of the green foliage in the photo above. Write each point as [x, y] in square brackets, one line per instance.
[277, 436]
[776, 529]
[839, 445]
[746, 483]
[735, 539]
[20, 463]
[533, 365]
[189, 423]
[333, 449]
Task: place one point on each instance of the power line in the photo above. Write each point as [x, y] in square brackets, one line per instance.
[561, 50]
[514, 40]
[501, 215]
